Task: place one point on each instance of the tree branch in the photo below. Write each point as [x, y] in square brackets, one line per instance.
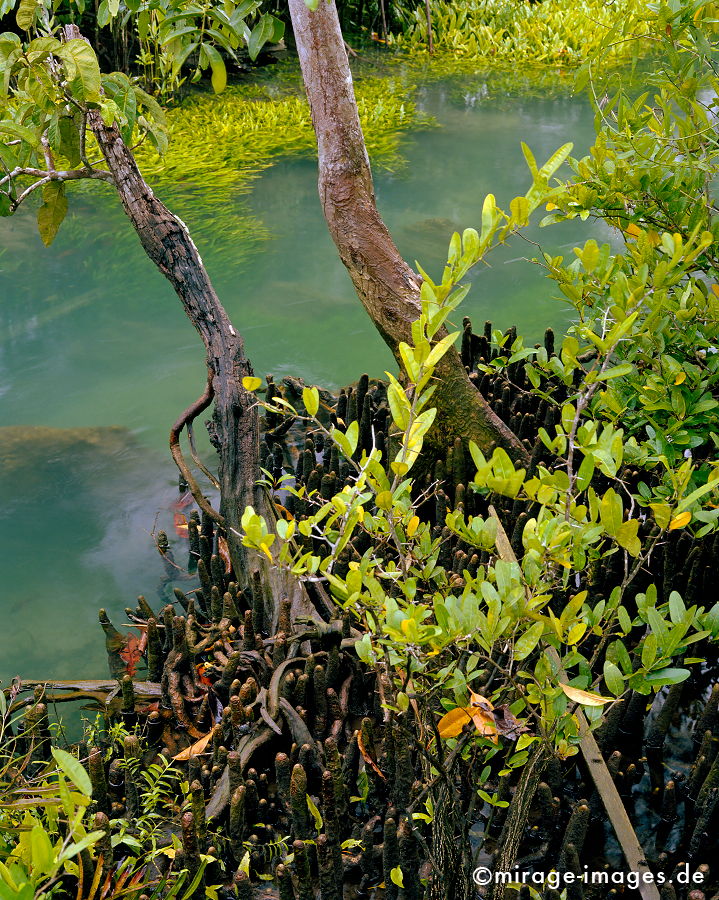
[45, 176]
[185, 421]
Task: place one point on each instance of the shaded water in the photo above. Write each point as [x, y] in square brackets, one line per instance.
[91, 336]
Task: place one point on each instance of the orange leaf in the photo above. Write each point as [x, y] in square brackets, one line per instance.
[194, 749]
[633, 230]
[224, 552]
[586, 698]
[681, 520]
[201, 675]
[366, 756]
[180, 522]
[715, 288]
[480, 712]
[452, 723]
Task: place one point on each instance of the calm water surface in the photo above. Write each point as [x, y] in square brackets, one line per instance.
[94, 342]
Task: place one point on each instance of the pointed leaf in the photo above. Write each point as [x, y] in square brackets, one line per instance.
[52, 211]
[74, 770]
[586, 698]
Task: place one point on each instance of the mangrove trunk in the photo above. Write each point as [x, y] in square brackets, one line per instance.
[388, 288]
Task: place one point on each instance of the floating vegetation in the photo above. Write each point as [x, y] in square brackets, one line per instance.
[221, 143]
[551, 33]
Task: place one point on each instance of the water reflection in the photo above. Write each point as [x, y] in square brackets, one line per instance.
[92, 337]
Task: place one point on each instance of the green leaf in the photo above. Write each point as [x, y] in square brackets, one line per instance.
[528, 641]
[261, 33]
[74, 770]
[43, 855]
[396, 873]
[25, 15]
[108, 112]
[92, 838]
[616, 372]
[352, 434]
[217, 64]
[69, 139]
[649, 650]
[585, 473]
[312, 4]
[531, 162]
[677, 609]
[613, 678]
[311, 400]
[52, 211]
[314, 812]
[83, 69]
[667, 676]
[20, 131]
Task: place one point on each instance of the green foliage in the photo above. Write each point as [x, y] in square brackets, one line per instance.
[656, 303]
[43, 809]
[547, 33]
[169, 34]
[634, 384]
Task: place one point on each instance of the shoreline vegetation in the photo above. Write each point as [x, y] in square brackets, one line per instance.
[399, 650]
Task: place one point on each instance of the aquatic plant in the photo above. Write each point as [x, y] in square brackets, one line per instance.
[218, 143]
[490, 32]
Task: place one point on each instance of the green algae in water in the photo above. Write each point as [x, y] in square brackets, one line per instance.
[222, 142]
[551, 33]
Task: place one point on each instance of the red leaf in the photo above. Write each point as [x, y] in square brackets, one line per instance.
[131, 654]
[180, 523]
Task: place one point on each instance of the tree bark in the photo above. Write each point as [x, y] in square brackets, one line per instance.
[236, 423]
[386, 285]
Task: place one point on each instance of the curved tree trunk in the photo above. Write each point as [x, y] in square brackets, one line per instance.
[386, 285]
[236, 425]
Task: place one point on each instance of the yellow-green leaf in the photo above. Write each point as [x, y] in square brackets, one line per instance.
[311, 400]
[74, 770]
[251, 382]
[83, 69]
[25, 15]
[52, 211]
[396, 876]
[662, 513]
[627, 537]
[43, 855]
[384, 500]
[680, 521]
[586, 698]
[314, 812]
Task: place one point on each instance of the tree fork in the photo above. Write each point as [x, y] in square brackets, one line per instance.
[388, 288]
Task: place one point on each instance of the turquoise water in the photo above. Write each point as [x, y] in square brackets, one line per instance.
[91, 336]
